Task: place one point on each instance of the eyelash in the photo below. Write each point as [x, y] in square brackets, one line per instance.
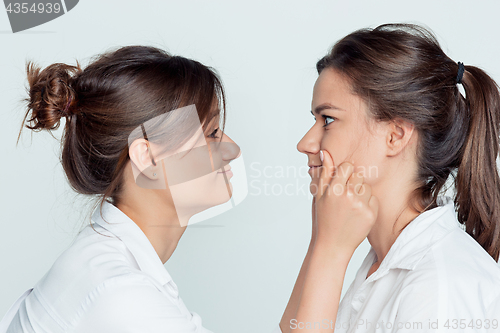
[327, 117]
[212, 135]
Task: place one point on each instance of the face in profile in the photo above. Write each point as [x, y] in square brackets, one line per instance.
[343, 128]
[189, 161]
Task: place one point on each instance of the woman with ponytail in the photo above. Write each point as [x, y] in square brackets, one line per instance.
[391, 128]
[131, 117]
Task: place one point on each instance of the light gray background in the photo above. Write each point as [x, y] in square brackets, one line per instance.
[238, 277]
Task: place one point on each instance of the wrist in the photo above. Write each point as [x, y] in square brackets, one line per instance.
[325, 247]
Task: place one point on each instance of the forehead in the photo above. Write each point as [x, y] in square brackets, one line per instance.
[214, 117]
[211, 122]
[333, 88]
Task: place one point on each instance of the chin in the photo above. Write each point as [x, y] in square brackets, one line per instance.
[314, 187]
[222, 193]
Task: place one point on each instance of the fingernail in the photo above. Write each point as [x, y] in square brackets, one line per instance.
[321, 155]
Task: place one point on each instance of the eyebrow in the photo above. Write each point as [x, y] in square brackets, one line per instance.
[325, 106]
[212, 116]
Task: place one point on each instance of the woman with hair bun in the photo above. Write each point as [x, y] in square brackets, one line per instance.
[391, 127]
[133, 118]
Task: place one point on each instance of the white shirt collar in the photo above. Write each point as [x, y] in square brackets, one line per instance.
[417, 238]
[134, 239]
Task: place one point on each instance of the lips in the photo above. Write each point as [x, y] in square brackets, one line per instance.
[313, 169]
[227, 171]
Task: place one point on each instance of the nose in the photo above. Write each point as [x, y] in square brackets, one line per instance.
[310, 143]
[229, 149]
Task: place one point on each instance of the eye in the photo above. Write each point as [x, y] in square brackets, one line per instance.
[328, 120]
[212, 135]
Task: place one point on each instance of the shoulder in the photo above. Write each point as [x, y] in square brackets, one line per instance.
[93, 256]
[129, 294]
[92, 260]
[472, 275]
[463, 261]
[457, 275]
[133, 304]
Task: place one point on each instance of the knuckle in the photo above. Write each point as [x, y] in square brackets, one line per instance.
[346, 166]
[370, 216]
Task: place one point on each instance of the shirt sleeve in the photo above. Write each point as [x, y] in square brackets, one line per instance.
[136, 308]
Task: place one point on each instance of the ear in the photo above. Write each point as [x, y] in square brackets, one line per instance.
[140, 155]
[400, 132]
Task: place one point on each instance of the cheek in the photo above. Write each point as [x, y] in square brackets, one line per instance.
[369, 159]
[357, 145]
[368, 169]
[342, 143]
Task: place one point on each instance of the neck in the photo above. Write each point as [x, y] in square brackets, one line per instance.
[157, 220]
[393, 215]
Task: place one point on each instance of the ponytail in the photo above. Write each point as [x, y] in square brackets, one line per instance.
[477, 183]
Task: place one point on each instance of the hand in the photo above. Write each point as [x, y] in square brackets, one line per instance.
[345, 209]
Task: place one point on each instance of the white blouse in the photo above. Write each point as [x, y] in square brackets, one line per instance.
[104, 284]
[435, 278]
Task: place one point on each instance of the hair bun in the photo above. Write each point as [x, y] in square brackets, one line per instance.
[50, 94]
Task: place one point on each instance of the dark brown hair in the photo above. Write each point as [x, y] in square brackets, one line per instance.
[401, 71]
[103, 103]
